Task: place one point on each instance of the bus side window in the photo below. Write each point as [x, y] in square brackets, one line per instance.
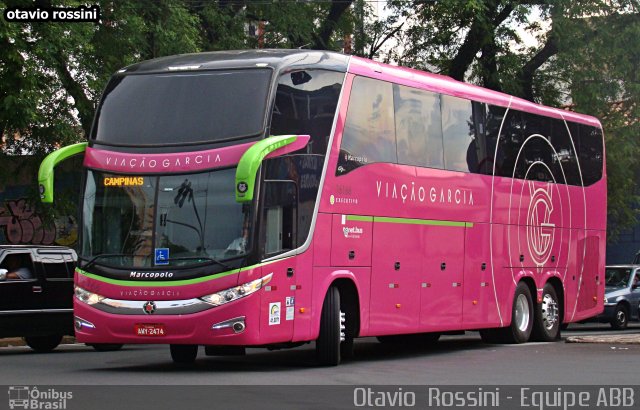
[565, 161]
[590, 152]
[418, 127]
[280, 217]
[458, 132]
[369, 129]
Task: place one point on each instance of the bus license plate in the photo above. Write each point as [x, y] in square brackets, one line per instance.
[150, 329]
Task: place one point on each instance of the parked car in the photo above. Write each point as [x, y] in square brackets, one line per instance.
[622, 295]
[36, 295]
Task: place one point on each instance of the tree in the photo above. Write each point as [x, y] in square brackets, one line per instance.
[586, 57]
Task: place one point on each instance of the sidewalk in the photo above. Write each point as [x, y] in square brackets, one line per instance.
[18, 341]
[626, 339]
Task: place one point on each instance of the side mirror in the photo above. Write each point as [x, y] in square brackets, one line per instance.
[252, 158]
[45, 173]
[3, 275]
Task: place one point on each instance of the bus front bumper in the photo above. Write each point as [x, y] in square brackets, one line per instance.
[233, 324]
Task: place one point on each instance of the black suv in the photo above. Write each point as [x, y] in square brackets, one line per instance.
[36, 294]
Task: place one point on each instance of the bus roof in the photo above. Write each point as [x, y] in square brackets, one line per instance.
[283, 60]
[279, 59]
[447, 85]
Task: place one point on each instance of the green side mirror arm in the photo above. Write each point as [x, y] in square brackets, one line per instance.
[250, 163]
[45, 173]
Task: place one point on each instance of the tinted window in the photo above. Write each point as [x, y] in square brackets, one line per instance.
[178, 108]
[418, 127]
[306, 104]
[510, 141]
[534, 156]
[458, 132]
[280, 206]
[369, 130]
[590, 154]
[565, 160]
[57, 266]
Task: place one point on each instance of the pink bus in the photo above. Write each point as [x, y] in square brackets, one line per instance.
[273, 198]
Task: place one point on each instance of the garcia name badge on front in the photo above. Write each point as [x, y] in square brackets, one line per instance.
[274, 313]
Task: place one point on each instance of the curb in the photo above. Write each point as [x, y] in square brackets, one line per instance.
[633, 339]
[19, 341]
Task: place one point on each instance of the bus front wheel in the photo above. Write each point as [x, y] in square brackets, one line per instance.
[183, 354]
[331, 329]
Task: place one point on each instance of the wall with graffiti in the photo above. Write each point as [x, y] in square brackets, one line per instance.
[23, 219]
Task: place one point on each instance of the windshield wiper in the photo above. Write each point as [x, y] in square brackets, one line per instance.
[210, 261]
[104, 255]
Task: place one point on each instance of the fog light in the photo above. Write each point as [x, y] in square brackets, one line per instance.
[80, 323]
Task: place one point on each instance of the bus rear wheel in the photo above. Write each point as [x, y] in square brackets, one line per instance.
[328, 344]
[546, 325]
[521, 316]
[183, 354]
[519, 331]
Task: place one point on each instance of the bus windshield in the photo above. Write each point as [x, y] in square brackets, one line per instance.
[183, 107]
[174, 220]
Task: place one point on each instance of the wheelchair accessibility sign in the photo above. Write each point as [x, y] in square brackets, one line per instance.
[162, 256]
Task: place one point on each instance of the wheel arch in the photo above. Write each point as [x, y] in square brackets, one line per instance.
[347, 285]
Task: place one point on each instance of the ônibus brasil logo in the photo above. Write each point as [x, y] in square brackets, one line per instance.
[540, 230]
[26, 397]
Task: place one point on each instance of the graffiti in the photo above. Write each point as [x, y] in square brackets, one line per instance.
[22, 225]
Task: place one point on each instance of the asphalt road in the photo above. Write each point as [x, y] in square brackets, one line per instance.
[455, 360]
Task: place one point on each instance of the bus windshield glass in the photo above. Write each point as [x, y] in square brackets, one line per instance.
[183, 107]
[173, 220]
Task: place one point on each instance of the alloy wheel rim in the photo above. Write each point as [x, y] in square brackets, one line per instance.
[522, 313]
[549, 311]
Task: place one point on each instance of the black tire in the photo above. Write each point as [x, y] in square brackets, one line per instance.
[106, 347]
[546, 325]
[518, 331]
[620, 318]
[522, 318]
[43, 344]
[328, 343]
[183, 354]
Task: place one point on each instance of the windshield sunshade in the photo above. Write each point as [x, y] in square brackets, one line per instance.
[178, 108]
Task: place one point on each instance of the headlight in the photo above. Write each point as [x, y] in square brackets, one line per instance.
[238, 292]
[87, 297]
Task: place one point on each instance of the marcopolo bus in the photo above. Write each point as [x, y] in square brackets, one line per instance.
[272, 198]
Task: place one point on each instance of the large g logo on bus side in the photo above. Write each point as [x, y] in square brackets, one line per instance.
[540, 230]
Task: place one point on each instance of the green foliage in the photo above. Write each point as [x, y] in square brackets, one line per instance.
[587, 57]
